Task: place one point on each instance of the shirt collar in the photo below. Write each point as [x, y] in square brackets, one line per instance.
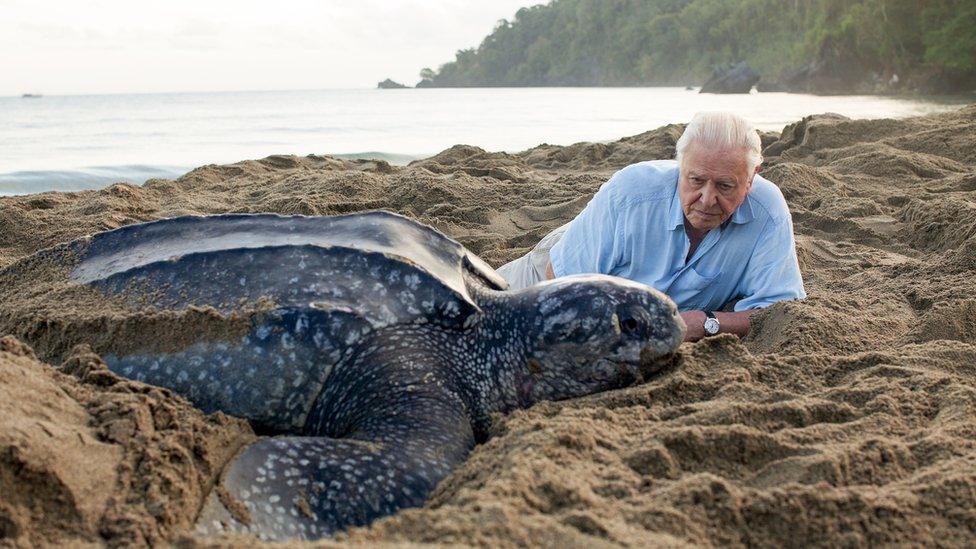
[676, 216]
[742, 214]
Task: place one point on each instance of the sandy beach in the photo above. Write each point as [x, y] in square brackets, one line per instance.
[846, 419]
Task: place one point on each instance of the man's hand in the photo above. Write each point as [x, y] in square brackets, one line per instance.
[731, 323]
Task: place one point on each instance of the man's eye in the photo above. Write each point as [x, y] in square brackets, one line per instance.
[725, 187]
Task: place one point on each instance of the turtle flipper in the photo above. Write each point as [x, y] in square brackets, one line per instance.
[387, 268]
[269, 375]
[311, 487]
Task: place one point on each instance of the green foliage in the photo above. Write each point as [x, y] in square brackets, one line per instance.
[950, 41]
[634, 42]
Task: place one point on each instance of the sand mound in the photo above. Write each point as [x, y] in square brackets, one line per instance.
[845, 419]
[86, 456]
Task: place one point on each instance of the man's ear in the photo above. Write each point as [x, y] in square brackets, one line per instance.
[751, 177]
[755, 172]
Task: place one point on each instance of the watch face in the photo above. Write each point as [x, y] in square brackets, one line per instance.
[711, 326]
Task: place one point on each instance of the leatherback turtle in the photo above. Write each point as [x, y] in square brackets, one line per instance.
[369, 348]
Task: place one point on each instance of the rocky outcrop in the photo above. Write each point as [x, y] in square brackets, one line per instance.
[389, 84]
[822, 76]
[834, 70]
[734, 78]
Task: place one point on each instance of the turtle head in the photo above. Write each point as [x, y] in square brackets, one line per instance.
[594, 333]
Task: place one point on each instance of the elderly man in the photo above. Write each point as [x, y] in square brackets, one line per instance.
[705, 229]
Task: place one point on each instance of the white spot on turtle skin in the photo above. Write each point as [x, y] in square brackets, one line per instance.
[451, 308]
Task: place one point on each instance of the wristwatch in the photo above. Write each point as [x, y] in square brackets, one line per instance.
[711, 324]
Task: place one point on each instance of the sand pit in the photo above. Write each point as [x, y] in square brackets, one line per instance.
[845, 419]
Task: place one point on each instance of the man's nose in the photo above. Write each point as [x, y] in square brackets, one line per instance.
[708, 197]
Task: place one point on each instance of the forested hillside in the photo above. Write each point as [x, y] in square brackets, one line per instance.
[859, 44]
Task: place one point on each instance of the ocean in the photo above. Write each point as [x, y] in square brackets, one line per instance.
[69, 143]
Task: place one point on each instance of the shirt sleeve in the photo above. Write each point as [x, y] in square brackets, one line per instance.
[773, 272]
[592, 243]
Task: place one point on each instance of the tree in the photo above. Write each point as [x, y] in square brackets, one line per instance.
[628, 42]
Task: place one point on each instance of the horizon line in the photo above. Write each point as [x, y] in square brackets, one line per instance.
[41, 95]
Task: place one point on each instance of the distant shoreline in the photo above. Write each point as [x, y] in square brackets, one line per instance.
[907, 94]
[961, 97]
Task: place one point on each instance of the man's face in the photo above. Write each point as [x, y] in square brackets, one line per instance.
[712, 184]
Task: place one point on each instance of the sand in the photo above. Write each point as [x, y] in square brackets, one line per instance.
[847, 419]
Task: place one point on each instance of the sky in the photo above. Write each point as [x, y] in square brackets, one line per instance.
[133, 46]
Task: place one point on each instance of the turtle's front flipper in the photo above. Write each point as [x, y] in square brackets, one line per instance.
[310, 487]
[269, 375]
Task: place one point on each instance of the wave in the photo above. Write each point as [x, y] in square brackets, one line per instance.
[96, 177]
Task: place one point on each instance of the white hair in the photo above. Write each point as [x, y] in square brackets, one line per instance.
[722, 131]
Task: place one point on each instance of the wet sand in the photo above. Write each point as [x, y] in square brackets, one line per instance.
[848, 418]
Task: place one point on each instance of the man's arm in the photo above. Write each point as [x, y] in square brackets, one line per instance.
[593, 241]
[773, 272]
[731, 323]
[550, 274]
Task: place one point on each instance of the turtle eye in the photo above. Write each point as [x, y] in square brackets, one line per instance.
[628, 325]
[633, 321]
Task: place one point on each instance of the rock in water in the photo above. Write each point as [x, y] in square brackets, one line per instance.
[735, 78]
[389, 84]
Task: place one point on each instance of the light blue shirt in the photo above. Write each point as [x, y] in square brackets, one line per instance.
[634, 228]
